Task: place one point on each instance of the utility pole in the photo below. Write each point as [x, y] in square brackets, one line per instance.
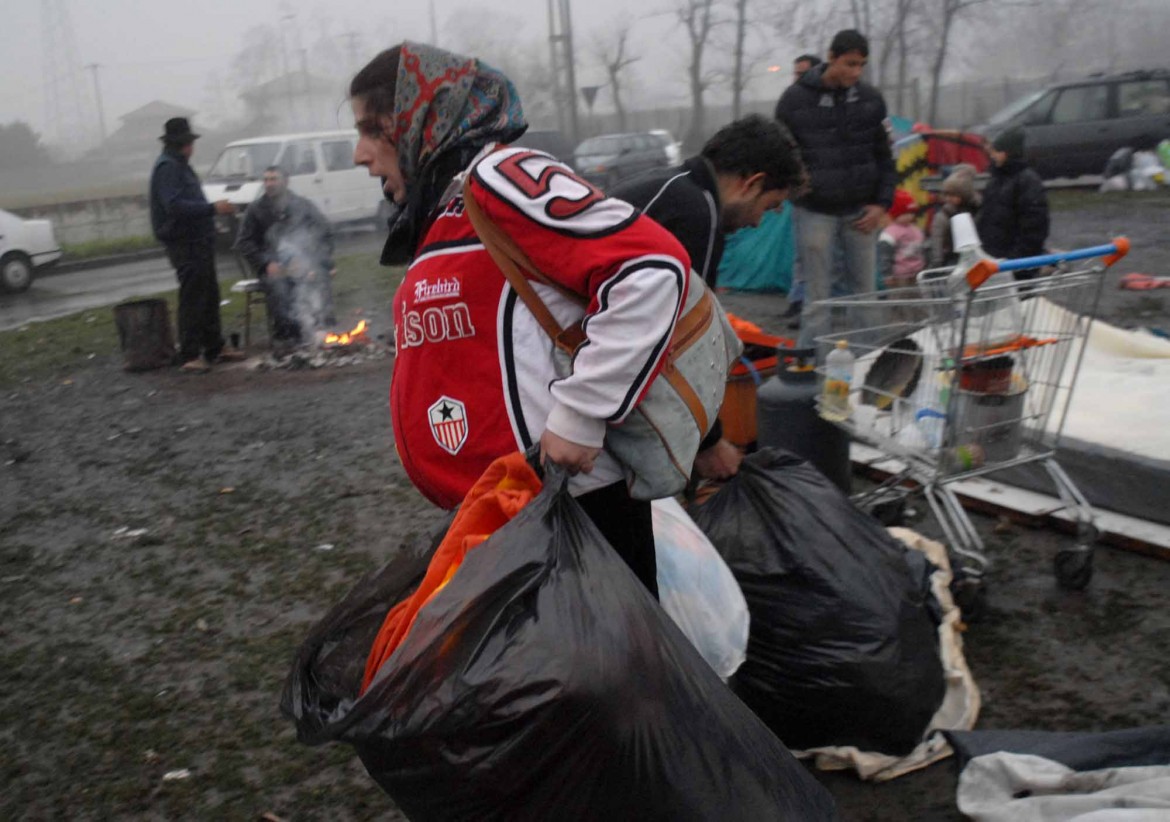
[307, 100]
[434, 27]
[284, 60]
[350, 37]
[62, 81]
[555, 66]
[567, 18]
[560, 36]
[97, 93]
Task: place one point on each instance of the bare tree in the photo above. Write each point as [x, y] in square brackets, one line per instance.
[808, 26]
[501, 40]
[897, 41]
[614, 58]
[946, 12]
[862, 15]
[259, 58]
[738, 78]
[699, 19]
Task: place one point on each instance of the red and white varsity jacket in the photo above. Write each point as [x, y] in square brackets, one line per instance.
[475, 375]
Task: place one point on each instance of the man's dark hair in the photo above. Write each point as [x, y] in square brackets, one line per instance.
[376, 83]
[849, 40]
[279, 169]
[752, 145]
[812, 60]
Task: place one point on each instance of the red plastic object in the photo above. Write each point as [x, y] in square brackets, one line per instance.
[1142, 282]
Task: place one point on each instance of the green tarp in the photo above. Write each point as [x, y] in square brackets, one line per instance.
[760, 259]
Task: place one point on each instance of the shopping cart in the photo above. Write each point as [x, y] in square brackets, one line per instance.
[961, 376]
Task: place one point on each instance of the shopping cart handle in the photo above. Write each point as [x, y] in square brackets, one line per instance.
[1112, 252]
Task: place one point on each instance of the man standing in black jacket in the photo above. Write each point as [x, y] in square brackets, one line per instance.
[183, 221]
[747, 168]
[1013, 221]
[840, 123]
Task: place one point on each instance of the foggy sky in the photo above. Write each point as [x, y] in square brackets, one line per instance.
[152, 50]
[158, 50]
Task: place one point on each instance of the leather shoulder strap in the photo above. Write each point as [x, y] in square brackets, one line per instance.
[511, 259]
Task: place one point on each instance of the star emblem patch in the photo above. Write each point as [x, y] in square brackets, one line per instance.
[448, 421]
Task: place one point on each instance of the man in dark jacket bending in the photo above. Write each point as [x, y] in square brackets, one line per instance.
[840, 124]
[747, 168]
[183, 221]
[1013, 221]
[288, 242]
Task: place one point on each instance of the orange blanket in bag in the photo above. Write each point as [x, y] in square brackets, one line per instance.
[505, 487]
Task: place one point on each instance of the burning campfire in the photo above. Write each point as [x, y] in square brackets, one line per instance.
[352, 337]
[331, 350]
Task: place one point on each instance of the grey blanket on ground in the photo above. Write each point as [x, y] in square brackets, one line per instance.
[1012, 787]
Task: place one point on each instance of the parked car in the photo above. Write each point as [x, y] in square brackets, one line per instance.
[607, 159]
[25, 247]
[549, 141]
[1073, 128]
[673, 147]
[319, 165]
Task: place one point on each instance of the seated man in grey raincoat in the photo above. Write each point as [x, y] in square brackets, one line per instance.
[289, 243]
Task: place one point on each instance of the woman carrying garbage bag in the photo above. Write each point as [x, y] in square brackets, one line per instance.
[475, 376]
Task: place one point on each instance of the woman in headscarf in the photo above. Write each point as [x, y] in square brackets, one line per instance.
[475, 375]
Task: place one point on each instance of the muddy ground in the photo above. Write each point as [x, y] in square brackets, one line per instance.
[166, 542]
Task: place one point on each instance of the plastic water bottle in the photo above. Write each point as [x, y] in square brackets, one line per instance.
[931, 423]
[835, 403]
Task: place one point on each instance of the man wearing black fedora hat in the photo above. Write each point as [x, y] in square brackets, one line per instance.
[183, 221]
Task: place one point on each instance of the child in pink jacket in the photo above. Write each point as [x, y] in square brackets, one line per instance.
[901, 246]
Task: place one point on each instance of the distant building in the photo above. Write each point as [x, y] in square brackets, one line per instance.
[141, 128]
[297, 101]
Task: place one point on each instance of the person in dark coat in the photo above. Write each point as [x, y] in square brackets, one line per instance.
[289, 244]
[747, 168]
[1013, 220]
[183, 221]
[841, 125]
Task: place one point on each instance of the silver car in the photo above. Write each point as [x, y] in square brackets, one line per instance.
[25, 245]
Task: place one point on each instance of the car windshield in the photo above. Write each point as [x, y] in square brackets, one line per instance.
[246, 162]
[608, 146]
[1010, 111]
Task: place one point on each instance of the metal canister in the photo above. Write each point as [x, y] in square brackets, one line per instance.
[786, 417]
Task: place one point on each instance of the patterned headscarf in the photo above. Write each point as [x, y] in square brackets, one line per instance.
[444, 101]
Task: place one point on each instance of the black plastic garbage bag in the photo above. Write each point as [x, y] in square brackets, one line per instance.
[843, 648]
[542, 682]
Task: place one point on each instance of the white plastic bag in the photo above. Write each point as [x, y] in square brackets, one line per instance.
[697, 590]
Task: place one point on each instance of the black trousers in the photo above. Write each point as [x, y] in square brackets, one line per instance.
[199, 328]
[298, 305]
[628, 526]
[280, 296]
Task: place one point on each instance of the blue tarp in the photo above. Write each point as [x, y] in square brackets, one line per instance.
[760, 259]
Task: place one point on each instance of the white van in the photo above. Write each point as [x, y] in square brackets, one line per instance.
[319, 165]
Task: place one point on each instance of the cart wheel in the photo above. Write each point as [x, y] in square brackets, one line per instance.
[1074, 567]
[970, 595]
